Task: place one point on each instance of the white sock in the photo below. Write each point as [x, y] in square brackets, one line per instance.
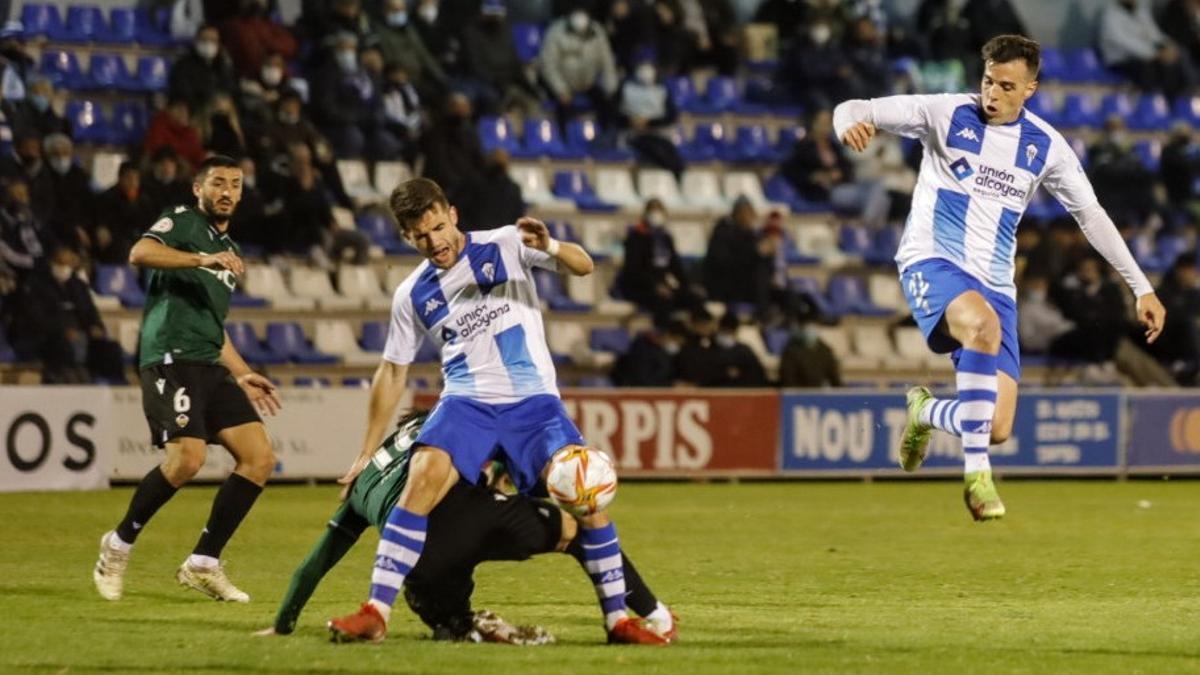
[203, 562]
[384, 609]
[976, 461]
[116, 543]
[662, 616]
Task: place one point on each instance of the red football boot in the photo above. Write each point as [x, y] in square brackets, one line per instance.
[365, 625]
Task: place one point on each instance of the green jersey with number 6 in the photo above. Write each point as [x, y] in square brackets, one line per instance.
[184, 319]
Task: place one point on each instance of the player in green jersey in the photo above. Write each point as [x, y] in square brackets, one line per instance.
[196, 389]
[471, 525]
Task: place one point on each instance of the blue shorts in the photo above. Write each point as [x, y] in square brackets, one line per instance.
[524, 435]
[931, 285]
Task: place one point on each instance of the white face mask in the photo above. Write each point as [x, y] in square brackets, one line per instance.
[207, 50]
[348, 61]
[671, 348]
[725, 340]
[60, 165]
[655, 219]
[646, 74]
[579, 21]
[429, 13]
[62, 273]
[820, 34]
[398, 19]
[272, 75]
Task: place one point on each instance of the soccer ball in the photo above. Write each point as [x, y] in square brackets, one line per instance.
[581, 481]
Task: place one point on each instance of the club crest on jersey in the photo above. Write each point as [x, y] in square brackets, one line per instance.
[181, 420]
[431, 306]
[489, 271]
[1030, 153]
[163, 226]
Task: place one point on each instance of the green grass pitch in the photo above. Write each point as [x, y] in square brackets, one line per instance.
[782, 577]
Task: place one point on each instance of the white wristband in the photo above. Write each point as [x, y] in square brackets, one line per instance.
[552, 248]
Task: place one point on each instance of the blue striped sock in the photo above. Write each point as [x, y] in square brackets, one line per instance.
[944, 414]
[400, 546]
[602, 558]
[976, 380]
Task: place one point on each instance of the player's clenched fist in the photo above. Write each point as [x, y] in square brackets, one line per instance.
[224, 259]
[534, 233]
[859, 136]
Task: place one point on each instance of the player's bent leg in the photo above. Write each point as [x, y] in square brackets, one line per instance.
[203, 571]
[431, 474]
[974, 323]
[185, 456]
[914, 442]
[1006, 407]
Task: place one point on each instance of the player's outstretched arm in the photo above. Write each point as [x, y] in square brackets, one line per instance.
[856, 121]
[571, 257]
[259, 390]
[387, 388]
[148, 252]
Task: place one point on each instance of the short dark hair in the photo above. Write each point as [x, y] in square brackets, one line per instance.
[1005, 48]
[215, 162]
[126, 167]
[413, 198]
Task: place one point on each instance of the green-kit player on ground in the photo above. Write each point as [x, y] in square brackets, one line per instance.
[471, 525]
[196, 389]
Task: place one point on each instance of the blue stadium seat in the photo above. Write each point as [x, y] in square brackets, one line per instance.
[573, 184]
[1171, 246]
[1121, 105]
[357, 382]
[615, 340]
[810, 288]
[313, 382]
[40, 19]
[108, 71]
[382, 231]
[847, 296]
[541, 139]
[528, 39]
[1054, 64]
[721, 95]
[776, 339]
[1152, 112]
[240, 299]
[128, 124]
[707, 144]
[786, 140]
[122, 27]
[752, 144]
[884, 244]
[683, 92]
[152, 72]
[1150, 152]
[582, 140]
[562, 231]
[241, 334]
[288, 339]
[551, 290]
[1186, 109]
[495, 132]
[1083, 66]
[119, 281]
[1042, 105]
[151, 28]
[62, 68]
[854, 240]
[374, 336]
[85, 23]
[87, 122]
[1081, 111]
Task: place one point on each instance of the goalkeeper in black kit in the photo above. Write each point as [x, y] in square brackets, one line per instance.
[471, 525]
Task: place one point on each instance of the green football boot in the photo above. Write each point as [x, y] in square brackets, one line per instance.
[915, 441]
[981, 497]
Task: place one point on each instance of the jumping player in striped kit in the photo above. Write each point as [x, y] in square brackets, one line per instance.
[475, 298]
[985, 156]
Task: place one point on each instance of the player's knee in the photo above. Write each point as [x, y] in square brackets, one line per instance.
[262, 463]
[184, 463]
[983, 331]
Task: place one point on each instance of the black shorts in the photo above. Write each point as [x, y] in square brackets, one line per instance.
[469, 526]
[192, 400]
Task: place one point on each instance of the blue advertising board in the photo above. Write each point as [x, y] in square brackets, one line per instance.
[1164, 431]
[848, 432]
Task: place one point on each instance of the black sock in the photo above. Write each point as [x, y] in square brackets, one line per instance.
[638, 595]
[148, 498]
[230, 506]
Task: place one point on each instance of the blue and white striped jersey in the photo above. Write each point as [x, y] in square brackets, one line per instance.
[976, 180]
[483, 315]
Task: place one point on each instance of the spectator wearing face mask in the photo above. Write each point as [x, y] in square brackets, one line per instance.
[401, 46]
[652, 274]
[308, 217]
[58, 323]
[577, 61]
[348, 105]
[290, 126]
[62, 195]
[807, 361]
[402, 111]
[251, 36]
[650, 360]
[259, 94]
[165, 184]
[491, 198]
[172, 128]
[122, 213]
[818, 71]
[41, 112]
[493, 75]
[439, 31]
[202, 72]
[646, 110]
[737, 365]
